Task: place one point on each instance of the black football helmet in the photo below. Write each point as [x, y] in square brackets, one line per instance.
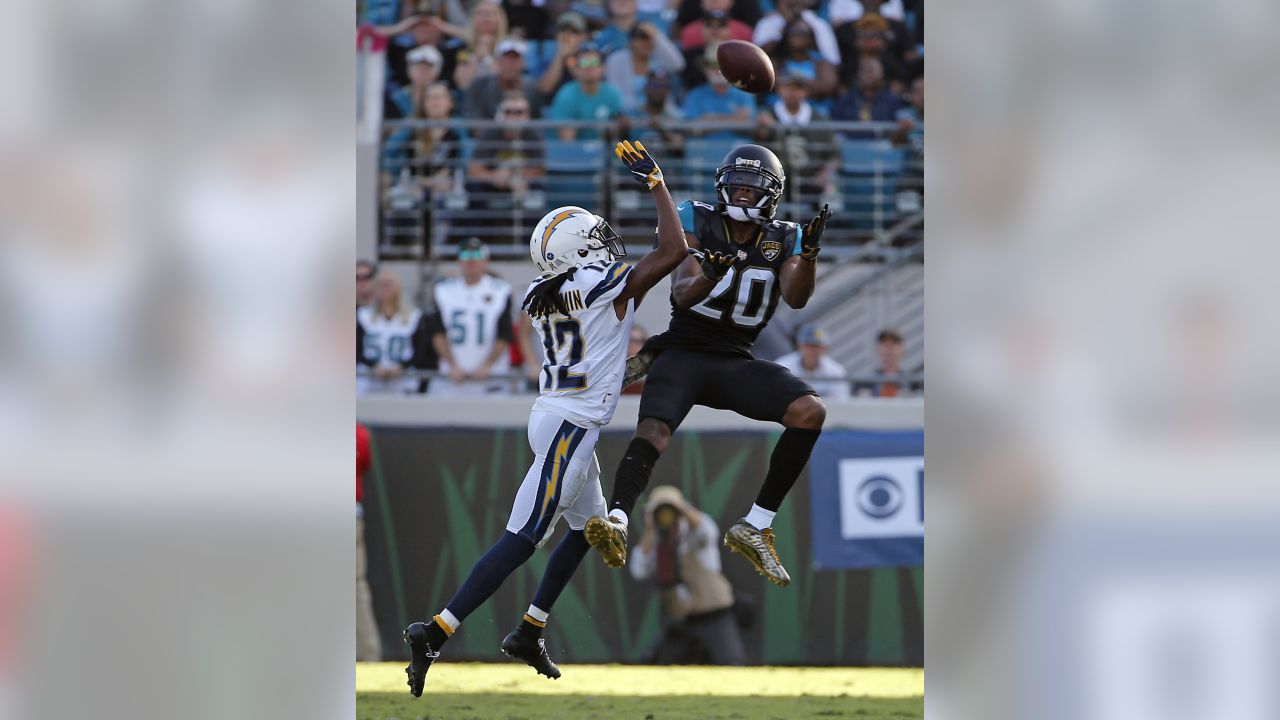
[754, 167]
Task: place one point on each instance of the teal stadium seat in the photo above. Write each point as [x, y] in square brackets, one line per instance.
[574, 172]
[869, 172]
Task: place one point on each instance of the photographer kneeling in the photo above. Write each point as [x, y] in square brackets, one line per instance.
[680, 551]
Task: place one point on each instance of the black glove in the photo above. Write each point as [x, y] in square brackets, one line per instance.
[639, 162]
[715, 265]
[813, 235]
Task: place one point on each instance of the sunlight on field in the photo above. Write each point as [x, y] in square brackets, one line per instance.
[481, 690]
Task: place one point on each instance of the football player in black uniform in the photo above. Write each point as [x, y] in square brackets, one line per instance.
[741, 261]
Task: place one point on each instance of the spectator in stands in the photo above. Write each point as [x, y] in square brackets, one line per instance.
[898, 37]
[811, 364]
[798, 54]
[870, 100]
[391, 337]
[571, 36]
[622, 20]
[527, 19]
[715, 15]
[716, 102]
[911, 119]
[639, 336]
[487, 28]
[911, 132]
[423, 32]
[424, 64]
[784, 126]
[475, 329]
[889, 349]
[368, 645]
[649, 122]
[680, 553]
[437, 151]
[746, 12]
[715, 30]
[865, 40]
[768, 32]
[628, 69]
[486, 93]
[507, 161]
[588, 97]
[366, 271]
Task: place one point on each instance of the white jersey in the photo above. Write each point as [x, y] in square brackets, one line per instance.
[473, 318]
[586, 351]
[386, 341]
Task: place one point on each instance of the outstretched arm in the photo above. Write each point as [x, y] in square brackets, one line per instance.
[797, 277]
[671, 248]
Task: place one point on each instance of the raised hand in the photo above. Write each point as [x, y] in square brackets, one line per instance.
[715, 265]
[813, 235]
[639, 162]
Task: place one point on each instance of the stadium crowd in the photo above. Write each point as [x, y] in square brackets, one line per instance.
[643, 64]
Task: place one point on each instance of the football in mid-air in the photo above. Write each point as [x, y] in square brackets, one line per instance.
[745, 66]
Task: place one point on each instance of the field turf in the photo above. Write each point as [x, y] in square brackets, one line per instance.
[509, 691]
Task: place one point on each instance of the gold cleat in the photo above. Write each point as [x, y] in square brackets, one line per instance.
[757, 546]
[609, 536]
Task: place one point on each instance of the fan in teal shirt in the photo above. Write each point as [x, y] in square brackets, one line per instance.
[717, 102]
[588, 97]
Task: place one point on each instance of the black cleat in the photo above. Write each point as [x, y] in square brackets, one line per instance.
[416, 637]
[531, 650]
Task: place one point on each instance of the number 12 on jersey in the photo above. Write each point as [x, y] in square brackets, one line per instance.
[567, 334]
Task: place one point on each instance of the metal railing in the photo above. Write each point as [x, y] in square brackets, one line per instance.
[495, 180]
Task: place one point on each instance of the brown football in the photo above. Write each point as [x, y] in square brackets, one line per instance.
[745, 66]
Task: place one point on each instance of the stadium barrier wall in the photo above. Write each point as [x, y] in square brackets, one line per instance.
[445, 473]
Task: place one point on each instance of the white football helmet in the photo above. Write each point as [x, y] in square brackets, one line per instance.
[570, 237]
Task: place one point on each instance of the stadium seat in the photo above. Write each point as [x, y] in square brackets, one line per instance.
[869, 171]
[870, 157]
[574, 174]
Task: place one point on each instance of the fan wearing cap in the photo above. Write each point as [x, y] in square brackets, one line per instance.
[558, 55]
[680, 553]
[589, 97]
[647, 51]
[865, 40]
[474, 328]
[811, 363]
[658, 110]
[420, 32]
[486, 92]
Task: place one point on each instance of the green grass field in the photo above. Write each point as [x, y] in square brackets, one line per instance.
[465, 691]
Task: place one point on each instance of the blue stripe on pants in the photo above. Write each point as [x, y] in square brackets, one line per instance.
[551, 483]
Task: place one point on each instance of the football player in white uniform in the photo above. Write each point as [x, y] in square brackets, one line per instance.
[582, 306]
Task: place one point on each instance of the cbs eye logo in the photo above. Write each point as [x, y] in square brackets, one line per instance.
[879, 496]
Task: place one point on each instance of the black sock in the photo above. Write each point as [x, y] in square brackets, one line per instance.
[788, 459]
[436, 636]
[633, 474]
[531, 629]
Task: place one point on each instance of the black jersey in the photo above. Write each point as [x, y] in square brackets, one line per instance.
[730, 318]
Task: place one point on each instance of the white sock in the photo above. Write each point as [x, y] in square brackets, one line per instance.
[759, 518]
[449, 619]
[617, 513]
[537, 613]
